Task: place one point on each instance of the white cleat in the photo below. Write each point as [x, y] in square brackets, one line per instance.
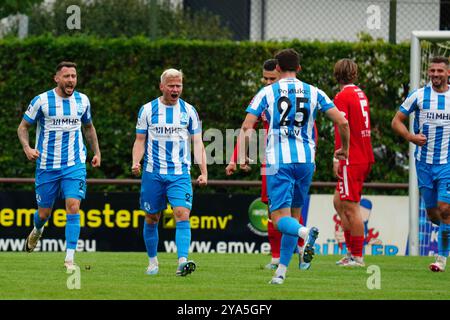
[354, 262]
[439, 264]
[32, 240]
[344, 260]
[185, 268]
[277, 280]
[271, 266]
[70, 266]
[152, 269]
[302, 265]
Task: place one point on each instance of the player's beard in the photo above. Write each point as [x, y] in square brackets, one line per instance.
[438, 83]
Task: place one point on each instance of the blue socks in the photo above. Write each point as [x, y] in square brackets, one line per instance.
[289, 225]
[151, 238]
[444, 239]
[72, 230]
[288, 245]
[38, 222]
[183, 238]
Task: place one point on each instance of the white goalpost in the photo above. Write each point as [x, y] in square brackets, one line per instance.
[415, 77]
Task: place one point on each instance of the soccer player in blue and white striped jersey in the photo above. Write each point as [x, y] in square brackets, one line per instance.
[431, 108]
[164, 130]
[291, 107]
[59, 153]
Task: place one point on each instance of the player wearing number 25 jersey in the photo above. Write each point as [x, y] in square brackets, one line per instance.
[291, 107]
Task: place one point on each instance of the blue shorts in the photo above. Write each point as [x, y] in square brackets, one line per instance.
[155, 188]
[434, 183]
[289, 187]
[66, 183]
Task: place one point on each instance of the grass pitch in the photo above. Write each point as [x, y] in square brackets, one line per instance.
[117, 275]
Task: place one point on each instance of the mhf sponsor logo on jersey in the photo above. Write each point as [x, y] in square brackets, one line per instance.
[167, 131]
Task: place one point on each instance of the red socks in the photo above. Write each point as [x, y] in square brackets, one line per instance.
[301, 241]
[348, 242]
[357, 245]
[274, 239]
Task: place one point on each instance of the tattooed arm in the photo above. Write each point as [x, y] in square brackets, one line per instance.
[91, 137]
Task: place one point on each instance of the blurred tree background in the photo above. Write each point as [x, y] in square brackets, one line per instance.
[122, 47]
[12, 7]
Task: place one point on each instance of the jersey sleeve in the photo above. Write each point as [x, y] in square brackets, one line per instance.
[236, 148]
[142, 124]
[194, 125]
[258, 104]
[86, 118]
[324, 101]
[410, 103]
[34, 111]
[342, 105]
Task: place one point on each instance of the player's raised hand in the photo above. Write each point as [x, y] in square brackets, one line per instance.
[136, 169]
[230, 169]
[96, 160]
[202, 180]
[32, 154]
[418, 139]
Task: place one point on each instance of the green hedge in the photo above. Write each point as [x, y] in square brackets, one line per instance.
[120, 75]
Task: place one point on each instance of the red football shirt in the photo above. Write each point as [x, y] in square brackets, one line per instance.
[354, 104]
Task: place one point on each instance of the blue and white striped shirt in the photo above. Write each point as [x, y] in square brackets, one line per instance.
[58, 134]
[291, 107]
[432, 118]
[168, 130]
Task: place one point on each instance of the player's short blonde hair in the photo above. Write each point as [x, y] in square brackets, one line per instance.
[171, 73]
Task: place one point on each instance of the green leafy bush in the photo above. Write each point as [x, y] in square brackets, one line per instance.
[119, 75]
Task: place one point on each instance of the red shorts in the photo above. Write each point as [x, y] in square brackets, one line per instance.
[351, 184]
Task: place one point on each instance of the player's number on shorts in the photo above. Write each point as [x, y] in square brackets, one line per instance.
[284, 106]
[365, 114]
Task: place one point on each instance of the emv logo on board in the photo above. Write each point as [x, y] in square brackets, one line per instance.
[202, 222]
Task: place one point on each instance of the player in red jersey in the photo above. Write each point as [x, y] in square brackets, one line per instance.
[352, 172]
[270, 75]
